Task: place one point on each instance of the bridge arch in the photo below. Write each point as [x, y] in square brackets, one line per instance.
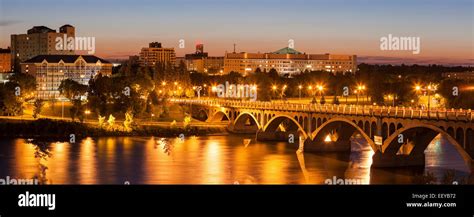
[470, 141]
[201, 114]
[241, 120]
[373, 129]
[367, 128]
[218, 116]
[420, 135]
[346, 129]
[391, 129]
[274, 123]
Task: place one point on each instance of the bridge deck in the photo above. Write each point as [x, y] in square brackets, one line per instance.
[363, 110]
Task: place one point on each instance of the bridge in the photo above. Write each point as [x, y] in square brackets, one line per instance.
[397, 135]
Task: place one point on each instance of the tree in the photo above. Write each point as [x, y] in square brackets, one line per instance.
[26, 83]
[38, 106]
[127, 124]
[72, 89]
[77, 110]
[9, 102]
[322, 100]
[273, 74]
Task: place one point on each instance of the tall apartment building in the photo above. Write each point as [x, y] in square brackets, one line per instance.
[51, 70]
[39, 40]
[155, 53]
[288, 61]
[200, 61]
[5, 60]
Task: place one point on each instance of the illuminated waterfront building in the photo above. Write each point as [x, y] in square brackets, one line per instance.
[51, 70]
[288, 61]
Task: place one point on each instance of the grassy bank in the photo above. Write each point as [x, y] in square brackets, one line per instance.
[47, 128]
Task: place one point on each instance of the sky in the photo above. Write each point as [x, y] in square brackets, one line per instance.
[122, 28]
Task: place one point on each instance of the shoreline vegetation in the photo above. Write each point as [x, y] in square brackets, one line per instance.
[62, 130]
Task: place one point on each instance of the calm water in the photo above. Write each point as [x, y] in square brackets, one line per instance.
[204, 160]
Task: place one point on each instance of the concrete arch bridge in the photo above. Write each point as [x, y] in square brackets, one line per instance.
[397, 135]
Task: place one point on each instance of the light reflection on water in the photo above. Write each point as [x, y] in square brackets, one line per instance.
[208, 160]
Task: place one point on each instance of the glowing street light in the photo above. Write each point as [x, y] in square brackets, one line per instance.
[87, 112]
[417, 87]
[310, 88]
[430, 89]
[360, 88]
[392, 98]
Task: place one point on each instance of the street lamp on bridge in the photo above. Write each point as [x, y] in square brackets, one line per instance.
[430, 89]
[310, 88]
[359, 90]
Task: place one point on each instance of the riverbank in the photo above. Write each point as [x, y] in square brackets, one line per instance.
[57, 129]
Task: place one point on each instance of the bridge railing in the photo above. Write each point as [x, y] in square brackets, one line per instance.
[364, 110]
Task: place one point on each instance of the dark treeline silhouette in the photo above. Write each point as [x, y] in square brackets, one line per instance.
[379, 80]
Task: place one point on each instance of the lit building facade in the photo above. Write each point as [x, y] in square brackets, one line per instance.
[51, 70]
[39, 40]
[288, 62]
[155, 53]
[201, 62]
[5, 60]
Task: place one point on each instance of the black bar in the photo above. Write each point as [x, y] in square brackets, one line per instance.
[238, 200]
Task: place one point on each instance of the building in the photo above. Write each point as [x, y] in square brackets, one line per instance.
[39, 40]
[201, 62]
[288, 61]
[155, 53]
[467, 75]
[51, 70]
[5, 60]
[179, 61]
[132, 60]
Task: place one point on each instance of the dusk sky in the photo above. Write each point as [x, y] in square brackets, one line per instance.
[122, 28]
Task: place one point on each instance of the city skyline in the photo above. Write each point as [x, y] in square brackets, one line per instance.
[262, 27]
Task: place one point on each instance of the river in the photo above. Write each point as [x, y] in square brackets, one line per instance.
[232, 159]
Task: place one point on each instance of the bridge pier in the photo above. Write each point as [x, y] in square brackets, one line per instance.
[276, 136]
[380, 160]
[321, 146]
[250, 129]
